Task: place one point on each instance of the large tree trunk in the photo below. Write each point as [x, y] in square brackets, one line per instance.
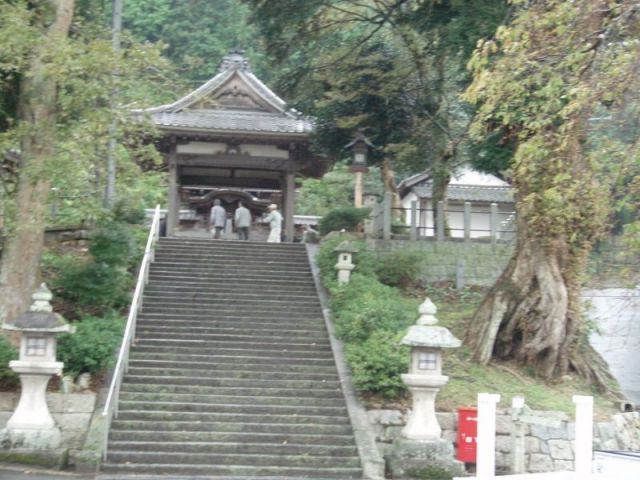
[37, 110]
[532, 313]
[388, 177]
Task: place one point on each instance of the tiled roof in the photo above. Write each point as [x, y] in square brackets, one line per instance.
[233, 120]
[470, 193]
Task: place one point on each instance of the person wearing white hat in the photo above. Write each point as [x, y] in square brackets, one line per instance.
[274, 219]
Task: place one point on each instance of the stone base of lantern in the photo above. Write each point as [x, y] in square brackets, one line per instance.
[423, 459]
[31, 439]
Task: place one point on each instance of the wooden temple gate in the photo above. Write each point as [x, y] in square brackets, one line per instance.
[233, 134]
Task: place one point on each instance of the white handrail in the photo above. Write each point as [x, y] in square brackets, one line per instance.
[111, 405]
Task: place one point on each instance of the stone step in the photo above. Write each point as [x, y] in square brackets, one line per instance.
[254, 346]
[279, 362]
[247, 246]
[154, 391]
[228, 280]
[244, 370]
[229, 472]
[237, 378]
[243, 260]
[305, 323]
[296, 288]
[235, 459]
[195, 401]
[230, 427]
[160, 416]
[231, 267]
[259, 277]
[232, 404]
[240, 437]
[256, 309]
[148, 329]
[231, 301]
[239, 295]
[234, 386]
[236, 448]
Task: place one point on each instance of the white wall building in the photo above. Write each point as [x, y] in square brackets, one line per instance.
[467, 185]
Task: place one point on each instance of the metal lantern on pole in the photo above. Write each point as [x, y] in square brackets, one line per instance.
[360, 147]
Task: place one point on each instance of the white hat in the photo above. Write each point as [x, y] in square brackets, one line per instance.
[273, 206]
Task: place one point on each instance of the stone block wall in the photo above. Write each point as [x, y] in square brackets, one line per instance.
[483, 262]
[71, 411]
[548, 449]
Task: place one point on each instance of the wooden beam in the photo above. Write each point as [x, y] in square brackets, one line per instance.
[289, 200]
[174, 200]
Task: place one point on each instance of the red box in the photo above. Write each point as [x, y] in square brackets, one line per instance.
[466, 439]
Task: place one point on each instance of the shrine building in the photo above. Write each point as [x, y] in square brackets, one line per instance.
[232, 139]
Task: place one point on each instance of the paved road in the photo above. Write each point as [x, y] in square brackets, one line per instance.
[616, 312]
[23, 472]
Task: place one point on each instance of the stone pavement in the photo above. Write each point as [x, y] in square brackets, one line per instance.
[616, 313]
[24, 472]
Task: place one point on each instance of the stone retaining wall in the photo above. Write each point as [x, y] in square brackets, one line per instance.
[483, 262]
[547, 449]
[71, 411]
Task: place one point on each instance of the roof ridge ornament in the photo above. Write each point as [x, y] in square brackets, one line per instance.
[235, 60]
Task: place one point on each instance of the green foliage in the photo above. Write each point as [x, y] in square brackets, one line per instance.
[92, 347]
[112, 245]
[345, 218]
[370, 318]
[125, 212]
[365, 306]
[8, 378]
[378, 362]
[401, 267]
[95, 287]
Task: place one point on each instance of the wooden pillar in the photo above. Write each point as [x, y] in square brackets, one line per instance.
[467, 221]
[413, 232]
[289, 205]
[174, 200]
[358, 190]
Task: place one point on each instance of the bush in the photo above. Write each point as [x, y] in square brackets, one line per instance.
[378, 362]
[346, 218]
[125, 212]
[112, 244]
[92, 348]
[94, 287]
[400, 268]
[365, 305]
[8, 378]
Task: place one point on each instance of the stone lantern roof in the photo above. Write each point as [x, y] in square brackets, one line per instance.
[427, 333]
[346, 247]
[40, 316]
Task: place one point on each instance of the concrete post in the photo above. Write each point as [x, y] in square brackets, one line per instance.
[289, 205]
[174, 200]
[460, 275]
[440, 222]
[486, 465]
[517, 436]
[494, 224]
[413, 233]
[386, 216]
[467, 221]
[584, 435]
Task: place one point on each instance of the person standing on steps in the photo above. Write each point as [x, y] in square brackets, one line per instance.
[242, 220]
[274, 219]
[218, 219]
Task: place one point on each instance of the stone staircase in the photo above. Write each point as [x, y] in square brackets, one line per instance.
[232, 375]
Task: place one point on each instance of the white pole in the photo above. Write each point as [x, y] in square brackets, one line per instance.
[584, 436]
[486, 453]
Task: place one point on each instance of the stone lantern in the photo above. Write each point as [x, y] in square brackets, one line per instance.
[420, 443]
[360, 146]
[31, 425]
[345, 261]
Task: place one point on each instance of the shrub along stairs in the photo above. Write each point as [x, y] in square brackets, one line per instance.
[232, 374]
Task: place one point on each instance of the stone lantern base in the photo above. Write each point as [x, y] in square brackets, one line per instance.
[417, 458]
